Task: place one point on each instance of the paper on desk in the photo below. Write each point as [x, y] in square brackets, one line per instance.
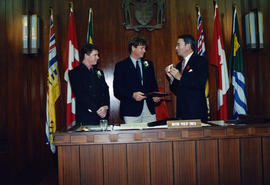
[136, 126]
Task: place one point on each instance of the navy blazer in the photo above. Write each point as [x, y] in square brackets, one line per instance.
[190, 89]
[91, 92]
[126, 82]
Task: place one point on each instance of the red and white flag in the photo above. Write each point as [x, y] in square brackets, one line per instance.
[218, 58]
[72, 60]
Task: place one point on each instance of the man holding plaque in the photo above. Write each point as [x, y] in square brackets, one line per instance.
[187, 80]
[134, 80]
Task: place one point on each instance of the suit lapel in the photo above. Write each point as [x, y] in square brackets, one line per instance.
[189, 62]
[130, 64]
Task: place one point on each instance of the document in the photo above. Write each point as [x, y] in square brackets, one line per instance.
[156, 94]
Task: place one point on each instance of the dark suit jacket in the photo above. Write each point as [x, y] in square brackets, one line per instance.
[126, 82]
[190, 89]
[91, 92]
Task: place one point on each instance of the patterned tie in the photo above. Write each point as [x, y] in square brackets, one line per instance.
[138, 71]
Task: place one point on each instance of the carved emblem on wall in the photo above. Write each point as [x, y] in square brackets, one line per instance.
[142, 12]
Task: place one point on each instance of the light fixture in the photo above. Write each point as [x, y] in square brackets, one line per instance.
[30, 34]
[254, 29]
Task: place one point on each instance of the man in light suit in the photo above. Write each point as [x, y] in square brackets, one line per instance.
[187, 80]
[134, 77]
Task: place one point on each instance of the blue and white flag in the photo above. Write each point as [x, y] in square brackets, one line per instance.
[237, 66]
[53, 89]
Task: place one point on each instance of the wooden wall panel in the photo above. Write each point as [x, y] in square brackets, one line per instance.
[229, 162]
[185, 162]
[3, 72]
[251, 161]
[115, 155]
[207, 157]
[138, 164]
[23, 77]
[91, 156]
[161, 163]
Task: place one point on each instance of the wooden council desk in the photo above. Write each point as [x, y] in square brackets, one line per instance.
[232, 155]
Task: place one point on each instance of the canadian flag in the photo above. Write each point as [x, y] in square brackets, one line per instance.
[218, 58]
[72, 60]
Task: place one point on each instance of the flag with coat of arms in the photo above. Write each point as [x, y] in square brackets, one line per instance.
[53, 89]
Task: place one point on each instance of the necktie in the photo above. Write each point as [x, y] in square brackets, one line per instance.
[183, 65]
[138, 71]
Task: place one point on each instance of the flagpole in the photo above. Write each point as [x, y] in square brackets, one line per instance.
[51, 11]
[197, 8]
[71, 6]
[234, 5]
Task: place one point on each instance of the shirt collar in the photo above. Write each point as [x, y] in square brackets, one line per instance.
[134, 61]
[187, 58]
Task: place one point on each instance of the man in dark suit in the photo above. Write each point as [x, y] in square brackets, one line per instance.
[188, 79]
[90, 88]
[134, 77]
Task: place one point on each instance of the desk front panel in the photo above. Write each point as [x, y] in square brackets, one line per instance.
[196, 156]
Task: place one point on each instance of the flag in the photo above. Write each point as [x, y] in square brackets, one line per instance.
[218, 58]
[72, 60]
[237, 66]
[90, 28]
[201, 52]
[53, 89]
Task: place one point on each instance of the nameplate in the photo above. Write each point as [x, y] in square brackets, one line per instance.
[184, 123]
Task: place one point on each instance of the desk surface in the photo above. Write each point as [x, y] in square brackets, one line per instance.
[160, 134]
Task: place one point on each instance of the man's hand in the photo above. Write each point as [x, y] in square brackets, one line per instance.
[156, 99]
[102, 111]
[167, 71]
[138, 96]
[175, 73]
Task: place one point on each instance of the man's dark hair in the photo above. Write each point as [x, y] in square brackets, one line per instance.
[136, 41]
[188, 39]
[87, 49]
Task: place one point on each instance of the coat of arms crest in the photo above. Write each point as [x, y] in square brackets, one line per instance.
[143, 14]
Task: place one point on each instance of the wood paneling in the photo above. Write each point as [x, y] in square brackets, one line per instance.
[251, 161]
[165, 157]
[138, 164]
[23, 77]
[3, 72]
[266, 159]
[207, 157]
[91, 156]
[229, 152]
[185, 162]
[161, 163]
[115, 164]
[69, 165]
